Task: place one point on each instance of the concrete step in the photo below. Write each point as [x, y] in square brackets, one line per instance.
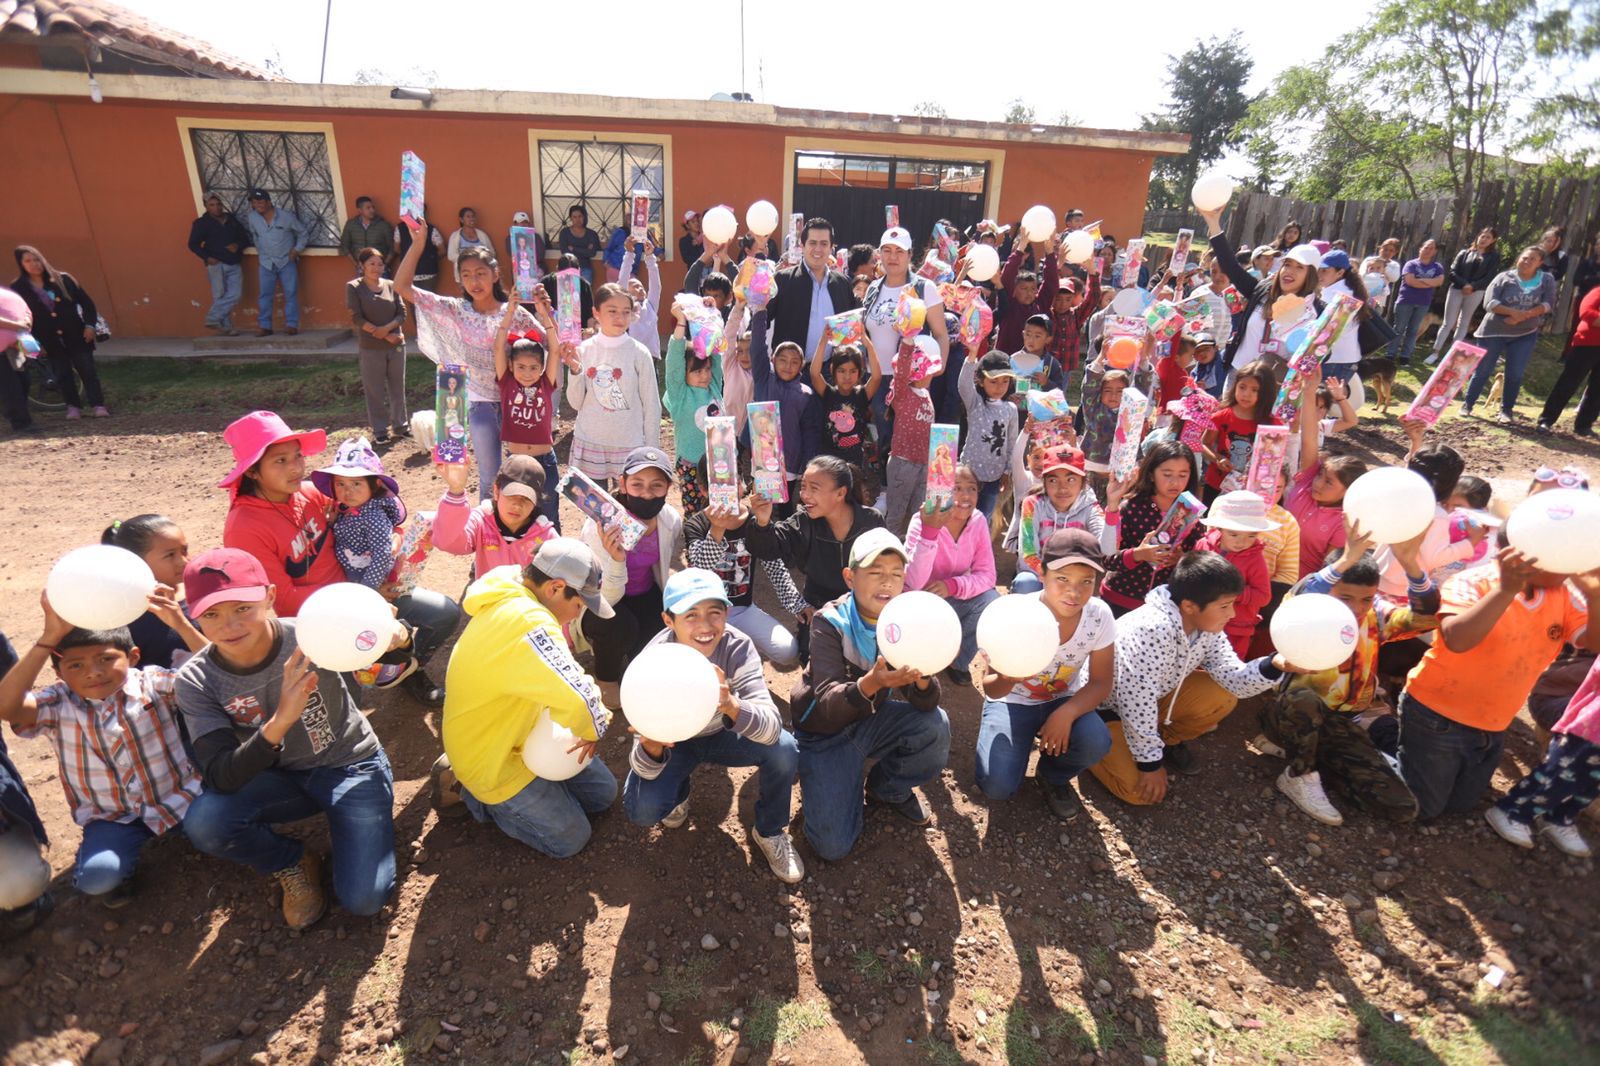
[311, 340]
[208, 348]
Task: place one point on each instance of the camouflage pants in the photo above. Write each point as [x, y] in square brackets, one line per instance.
[1353, 770]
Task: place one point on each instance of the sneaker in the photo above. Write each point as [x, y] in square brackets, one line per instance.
[962, 678]
[101, 412]
[303, 899]
[381, 438]
[263, 333]
[1567, 839]
[1432, 360]
[1544, 429]
[74, 412]
[1062, 800]
[386, 675]
[229, 331]
[1182, 759]
[912, 809]
[781, 856]
[20, 921]
[1266, 747]
[446, 789]
[1307, 794]
[1504, 419]
[675, 818]
[1510, 830]
[420, 687]
[402, 430]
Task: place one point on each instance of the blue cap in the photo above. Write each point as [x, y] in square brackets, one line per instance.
[1337, 259]
[689, 587]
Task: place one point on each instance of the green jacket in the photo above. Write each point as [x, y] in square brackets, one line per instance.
[358, 235]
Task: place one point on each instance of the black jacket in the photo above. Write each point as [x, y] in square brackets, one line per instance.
[1253, 289]
[1470, 268]
[209, 238]
[58, 325]
[789, 310]
[809, 543]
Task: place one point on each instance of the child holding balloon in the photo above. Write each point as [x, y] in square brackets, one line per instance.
[164, 635]
[120, 753]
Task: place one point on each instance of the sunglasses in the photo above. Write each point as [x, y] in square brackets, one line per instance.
[1568, 477]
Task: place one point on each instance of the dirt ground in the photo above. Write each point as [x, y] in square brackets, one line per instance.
[1223, 927]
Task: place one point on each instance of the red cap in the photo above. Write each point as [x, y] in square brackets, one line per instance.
[221, 575]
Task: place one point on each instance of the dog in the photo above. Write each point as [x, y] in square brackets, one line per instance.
[422, 429]
[1379, 371]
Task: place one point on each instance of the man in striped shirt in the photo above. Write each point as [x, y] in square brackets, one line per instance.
[118, 747]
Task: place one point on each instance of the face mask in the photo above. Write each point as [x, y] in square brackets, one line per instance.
[641, 508]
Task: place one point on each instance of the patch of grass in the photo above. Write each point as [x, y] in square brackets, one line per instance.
[940, 1053]
[1495, 1035]
[680, 988]
[1077, 1024]
[982, 997]
[191, 386]
[778, 1022]
[867, 963]
[1027, 955]
[695, 1057]
[918, 964]
[1097, 960]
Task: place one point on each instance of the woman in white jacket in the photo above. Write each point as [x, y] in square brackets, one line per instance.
[1338, 279]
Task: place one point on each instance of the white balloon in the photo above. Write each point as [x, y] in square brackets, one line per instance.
[983, 262]
[919, 631]
[24, 873]
[1212, 191]
[100, 587]
[761, 217]
[1314, 631]
[344, 627]
[1019, 635]
[1391, 504]
[545, 750]
[1130, 303]
[1078, 246]
[719, 225]
[1039, 223]
[669, 693]
[1559, 529]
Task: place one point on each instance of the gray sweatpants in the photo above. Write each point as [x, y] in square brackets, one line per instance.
[383, 380]
[908, 483]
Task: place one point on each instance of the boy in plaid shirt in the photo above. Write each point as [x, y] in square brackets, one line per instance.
[119, 750]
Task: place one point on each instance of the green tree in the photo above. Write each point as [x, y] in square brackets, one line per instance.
[1564, 123]
[1208, 101]
[929, 109]
[1019, 113]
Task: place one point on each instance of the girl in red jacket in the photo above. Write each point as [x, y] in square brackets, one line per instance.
[1235, 522]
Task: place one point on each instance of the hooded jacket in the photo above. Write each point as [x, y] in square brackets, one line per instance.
[1154, 655]
[510, 663]
[828, 698]
[292, 541]
[461, 528]
[809, 543]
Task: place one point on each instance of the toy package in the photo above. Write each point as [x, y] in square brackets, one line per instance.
[569, 307]
[891, 216]
[524, 262]
[1130, 268]
[770, 480]
[600, 505]
[944, 443]
[794, 244]
[846, 327]
[1053, 434]
[639, 216]
[1453, 371]
[415, 544]
[1180, 253]
[722, 462]
[935, 269]
[910, 313]
[1163, 320]
[756, 283]
[1195, 409]
[1234, 299]
[947, 242]
[1180, 519]
[1311, 347]
[450, 414]
[1048, 406]
[413, 174]
[1266, 462]
[1131, 414]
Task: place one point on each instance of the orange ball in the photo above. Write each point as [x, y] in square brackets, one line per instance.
[1122, 352]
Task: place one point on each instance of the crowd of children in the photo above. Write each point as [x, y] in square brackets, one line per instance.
[1160, 548]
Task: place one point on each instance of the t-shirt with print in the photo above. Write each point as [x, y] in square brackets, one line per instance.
[878, 316]
[331, 732]
[1486, 686]
[1410, 294]
[1066, 673]
[846, 420]
[1236, 439]
[526, 411]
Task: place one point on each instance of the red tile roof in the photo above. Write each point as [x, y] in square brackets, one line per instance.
[117, 29]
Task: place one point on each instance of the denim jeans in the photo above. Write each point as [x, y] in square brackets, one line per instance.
[483, 424]
[772, 638]
[358, 800]
[1026, 581]
[988, 496]
[968, 611]
[911, 747]
[1408, 322]
[550, 500]
[649, 801]
[433, 615]
[289, 276]
[1005, 742]
[1446, 764]
[227, 283]
[1341, 372]
[551, 817]
[108, 854]
[1518, 351]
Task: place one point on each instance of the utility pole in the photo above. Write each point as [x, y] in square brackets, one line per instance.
[327, 20]
[741, 49]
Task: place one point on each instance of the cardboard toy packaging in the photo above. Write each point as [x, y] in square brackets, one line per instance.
[569, 307]
[600, 505]
[1132, 411]
[1447, 379]
[415, 544]
[722, 462]
[450, 414]
[1180, 519]
[769, 479]
[413, 179]
[1266, 462]
[525, 267]
[944, 442]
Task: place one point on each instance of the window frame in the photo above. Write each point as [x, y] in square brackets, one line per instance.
[669, 220]
[187, 124]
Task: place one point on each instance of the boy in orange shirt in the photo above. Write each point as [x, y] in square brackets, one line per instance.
[1502, 625]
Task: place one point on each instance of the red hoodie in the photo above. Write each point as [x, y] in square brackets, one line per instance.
[1252, 563]
[293, 541]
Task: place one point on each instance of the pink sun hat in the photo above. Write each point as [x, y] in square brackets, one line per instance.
[252, 435]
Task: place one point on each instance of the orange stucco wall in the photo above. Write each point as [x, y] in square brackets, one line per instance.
[104, 190]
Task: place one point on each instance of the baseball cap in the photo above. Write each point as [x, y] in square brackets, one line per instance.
[1337, 259]
[1307, 254]
[1202, 338]
[571, 560]
[1068, 285]
[897, 236]
[689, 587]
[996, 365]
[1242, 512]
[521, 218]
[260, 194]
[1265, 249]
[1062, 459]
[873, 543]
[521, 475]
[222, 575]
[645, 457]
[1067, 546]
[690, 215]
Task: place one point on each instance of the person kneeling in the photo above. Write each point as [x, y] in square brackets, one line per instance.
[1057, 704]
[843, 715]
[744, 731]
[279, 740]
[511, 664]
[1177, 677]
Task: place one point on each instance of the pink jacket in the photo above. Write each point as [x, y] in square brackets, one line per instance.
[462, 529]
[966, 564]
[1582, 718]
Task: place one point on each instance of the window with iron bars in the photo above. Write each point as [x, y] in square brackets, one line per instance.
[292, 166]
[601, 177]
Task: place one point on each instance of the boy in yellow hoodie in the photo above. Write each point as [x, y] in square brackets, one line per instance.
[511, 663]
